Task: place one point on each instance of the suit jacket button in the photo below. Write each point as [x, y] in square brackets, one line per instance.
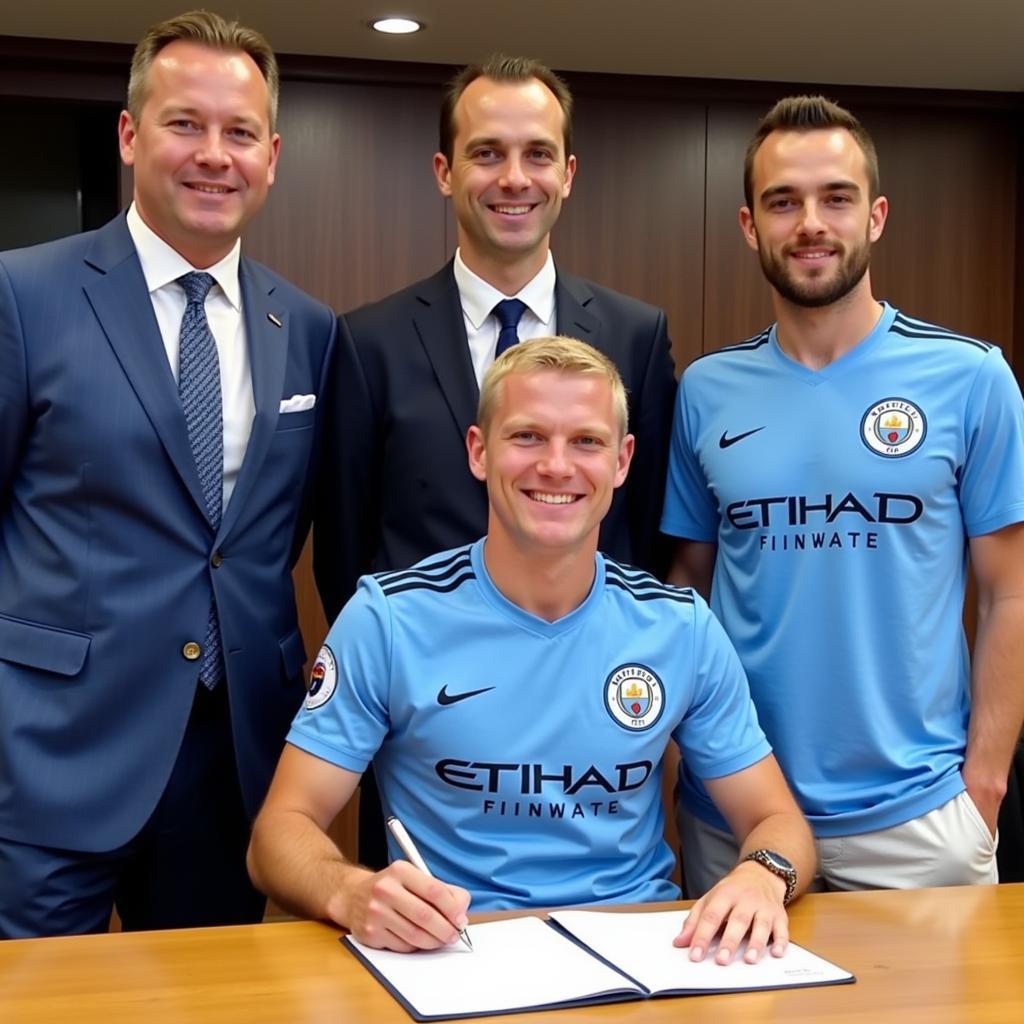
[192, 650]
[215, 559]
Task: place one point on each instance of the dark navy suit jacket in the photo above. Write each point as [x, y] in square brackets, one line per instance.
[107, 559]
[395, 479]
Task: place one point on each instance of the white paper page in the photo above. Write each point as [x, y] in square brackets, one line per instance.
[517, 962]
[641, 945]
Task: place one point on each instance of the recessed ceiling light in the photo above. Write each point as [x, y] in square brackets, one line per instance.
[396, 26]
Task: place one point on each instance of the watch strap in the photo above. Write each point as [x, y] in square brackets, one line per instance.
[778, 866]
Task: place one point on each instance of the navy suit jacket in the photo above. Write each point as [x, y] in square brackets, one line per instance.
[107, 558]
[395, 480]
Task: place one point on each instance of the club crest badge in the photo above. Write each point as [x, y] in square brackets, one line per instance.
[634, 697]
[323, 679]
[893, 428]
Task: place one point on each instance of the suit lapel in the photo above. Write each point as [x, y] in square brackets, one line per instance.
[266, 333]
[120, 300]
[572, 318]
[439, 322]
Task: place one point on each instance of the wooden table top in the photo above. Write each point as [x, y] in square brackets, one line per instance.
[941, 956]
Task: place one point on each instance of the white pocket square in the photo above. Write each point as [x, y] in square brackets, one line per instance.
[297, 403]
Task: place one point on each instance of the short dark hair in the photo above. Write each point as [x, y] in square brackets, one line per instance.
[500, 68]
[808, 114]
[206, 29]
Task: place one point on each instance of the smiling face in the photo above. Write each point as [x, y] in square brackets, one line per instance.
[552, 455]
[202, 150]
[813, 221]
[508, 173]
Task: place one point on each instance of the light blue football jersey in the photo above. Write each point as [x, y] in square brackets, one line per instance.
[525, 756]
[841, 502]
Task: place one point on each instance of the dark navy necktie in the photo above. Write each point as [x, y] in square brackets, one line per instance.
[199, 388]
[509, 312]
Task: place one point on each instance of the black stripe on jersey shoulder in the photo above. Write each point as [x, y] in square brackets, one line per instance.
[642, 585]
[444, 585]
[756, 342]
[911, 328]
[435, 571]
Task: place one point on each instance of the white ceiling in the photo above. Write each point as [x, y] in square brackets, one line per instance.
[924, 43]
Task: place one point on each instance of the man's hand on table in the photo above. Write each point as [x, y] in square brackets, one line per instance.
[747, 902]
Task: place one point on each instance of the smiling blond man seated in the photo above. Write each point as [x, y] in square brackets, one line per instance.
[517, 695]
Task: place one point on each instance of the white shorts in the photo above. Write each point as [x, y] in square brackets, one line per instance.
[948, 846]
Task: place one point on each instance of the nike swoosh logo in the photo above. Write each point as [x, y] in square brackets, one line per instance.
[728, 442]
[444, 698]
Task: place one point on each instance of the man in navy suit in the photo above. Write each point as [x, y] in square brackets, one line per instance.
[158, 416]
[506, 162]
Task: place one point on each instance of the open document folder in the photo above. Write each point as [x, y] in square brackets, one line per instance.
[574, 958]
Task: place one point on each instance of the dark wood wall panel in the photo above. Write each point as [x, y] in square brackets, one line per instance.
[635, 219]
[1018, 290]
[947, 254]
[737, 300]
[354, 213]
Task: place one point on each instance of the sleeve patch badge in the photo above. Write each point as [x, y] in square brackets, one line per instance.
[323, 679]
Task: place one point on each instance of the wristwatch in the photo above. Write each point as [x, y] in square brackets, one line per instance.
[777, 865]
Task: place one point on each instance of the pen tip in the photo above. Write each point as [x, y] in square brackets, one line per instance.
[464, 935]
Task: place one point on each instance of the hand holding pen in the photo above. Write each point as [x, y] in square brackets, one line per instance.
[408, 847]
[401, 908]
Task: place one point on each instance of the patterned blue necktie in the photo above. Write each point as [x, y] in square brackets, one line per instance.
[509, 312]
[199, 388]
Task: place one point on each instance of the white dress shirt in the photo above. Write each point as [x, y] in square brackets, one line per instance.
[162, 266]
[479, 298]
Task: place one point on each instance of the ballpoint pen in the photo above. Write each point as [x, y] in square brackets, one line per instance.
[404, 840]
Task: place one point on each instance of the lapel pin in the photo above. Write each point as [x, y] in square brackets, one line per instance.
[273, 319]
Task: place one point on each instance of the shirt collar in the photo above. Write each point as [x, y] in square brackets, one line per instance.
[161, 264]
[479, 298]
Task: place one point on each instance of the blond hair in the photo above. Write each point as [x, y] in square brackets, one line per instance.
[206, 29]
[558, 354]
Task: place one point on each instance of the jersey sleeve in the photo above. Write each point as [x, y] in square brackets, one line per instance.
[992, 477]
[345, 716]
[720, 733]
[690, 508]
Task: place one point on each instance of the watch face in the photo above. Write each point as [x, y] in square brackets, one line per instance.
[778, 860]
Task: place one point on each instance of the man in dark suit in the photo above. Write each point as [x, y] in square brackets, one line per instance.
[395, 478]
[158, 414]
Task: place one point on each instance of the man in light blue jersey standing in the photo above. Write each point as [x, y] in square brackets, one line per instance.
[828, 479]
[517, 695]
